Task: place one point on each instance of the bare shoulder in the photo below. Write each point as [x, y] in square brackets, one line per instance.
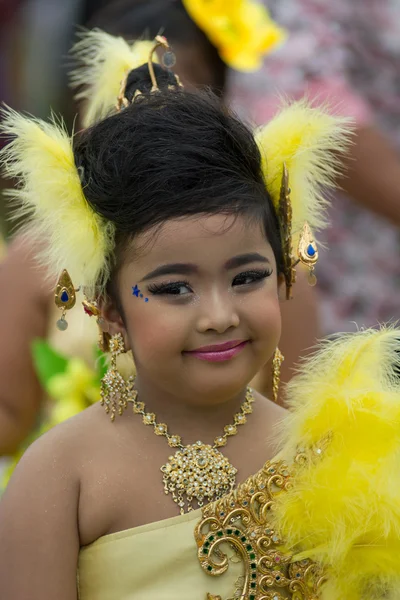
[39, 529]
[50, 471]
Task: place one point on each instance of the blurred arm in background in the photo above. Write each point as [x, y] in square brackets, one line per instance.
[24, 314]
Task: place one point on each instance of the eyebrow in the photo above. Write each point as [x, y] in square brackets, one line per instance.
[245, 259]
[190, 269]
[172, 269]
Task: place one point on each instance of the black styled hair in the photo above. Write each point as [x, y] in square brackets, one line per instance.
[134, 19]
[168, 155]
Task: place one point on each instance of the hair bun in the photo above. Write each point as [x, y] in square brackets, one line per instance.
[139, 80]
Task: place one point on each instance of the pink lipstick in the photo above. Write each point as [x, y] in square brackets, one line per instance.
[219, 352]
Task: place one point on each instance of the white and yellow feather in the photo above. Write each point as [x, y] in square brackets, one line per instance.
[103, 61]
[309, 141]
[344, 507]
[49, 192]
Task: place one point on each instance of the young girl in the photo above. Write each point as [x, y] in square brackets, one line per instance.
[182, 230]
[199, 62]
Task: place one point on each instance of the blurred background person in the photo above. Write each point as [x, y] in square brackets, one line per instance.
[346, 53]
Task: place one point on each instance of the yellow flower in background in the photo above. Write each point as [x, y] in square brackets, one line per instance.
[73, 391]
[241, 30]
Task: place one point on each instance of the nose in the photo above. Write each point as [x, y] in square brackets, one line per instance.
[217, 313]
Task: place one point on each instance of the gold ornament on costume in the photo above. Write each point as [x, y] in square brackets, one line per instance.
[244, 520]
[241, 30]
[64, 298]
[195, 473]
[277, 361]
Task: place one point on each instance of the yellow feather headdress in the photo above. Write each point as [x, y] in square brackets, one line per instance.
[303, 144]
[309, 141]
[241, 30]
[343, 509]
[41, 159]
[103, 63]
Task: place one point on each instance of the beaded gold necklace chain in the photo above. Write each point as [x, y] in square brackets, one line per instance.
[197, 472]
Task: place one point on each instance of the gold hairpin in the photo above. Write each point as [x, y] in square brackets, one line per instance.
[122, 102]
[168, 60]
[307, 251]
[285, 221]
[160, 42]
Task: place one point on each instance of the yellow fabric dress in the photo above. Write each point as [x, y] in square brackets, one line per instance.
[157, 561]
[319, 522]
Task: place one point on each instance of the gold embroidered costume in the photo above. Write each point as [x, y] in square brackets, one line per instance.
[320, 521]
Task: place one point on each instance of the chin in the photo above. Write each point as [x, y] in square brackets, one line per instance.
[219, 385]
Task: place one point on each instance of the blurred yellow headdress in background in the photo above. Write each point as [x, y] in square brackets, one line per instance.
[241, 30]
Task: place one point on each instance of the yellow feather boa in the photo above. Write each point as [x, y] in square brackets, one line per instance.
[343, 509]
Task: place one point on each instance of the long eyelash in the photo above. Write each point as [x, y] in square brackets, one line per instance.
[160, 288]
[256, 273]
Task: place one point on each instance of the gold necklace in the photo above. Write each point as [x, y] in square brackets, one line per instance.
[198, 471]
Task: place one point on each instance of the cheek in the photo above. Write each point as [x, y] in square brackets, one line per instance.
[264, 316]
[154, 329]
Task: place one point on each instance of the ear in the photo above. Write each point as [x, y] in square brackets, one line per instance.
[111, 320]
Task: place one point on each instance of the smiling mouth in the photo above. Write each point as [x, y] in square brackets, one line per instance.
[219, 352]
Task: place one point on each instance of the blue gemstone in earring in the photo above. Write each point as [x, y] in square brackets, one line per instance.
[64, 296]
[135, 291]
[311, 250]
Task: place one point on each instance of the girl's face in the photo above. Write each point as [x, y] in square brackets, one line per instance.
[201, 307]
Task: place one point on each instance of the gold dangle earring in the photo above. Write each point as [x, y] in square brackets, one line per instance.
[64, 298]
[114, 392]
[276, 373]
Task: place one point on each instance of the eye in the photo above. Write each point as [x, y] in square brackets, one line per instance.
[176, 288]
[249, 277]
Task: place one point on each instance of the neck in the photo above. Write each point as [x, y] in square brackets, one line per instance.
[192, 422]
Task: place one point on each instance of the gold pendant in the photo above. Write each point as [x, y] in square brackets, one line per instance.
[307, 249]
[199, 472]
[65, 297]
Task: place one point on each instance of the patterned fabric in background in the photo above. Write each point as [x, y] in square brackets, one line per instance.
[347, 52]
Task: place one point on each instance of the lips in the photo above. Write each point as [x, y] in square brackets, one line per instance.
[219, 347]
[219, 352]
